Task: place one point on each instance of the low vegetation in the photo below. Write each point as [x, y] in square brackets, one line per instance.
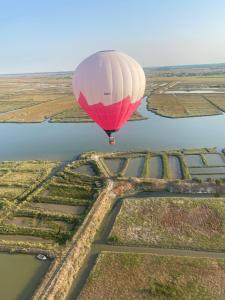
[36, 207]
[186, 223]
[77, 115]
[34, 98]
[218, 100]
[28, 99]
[19, 178]
[181, 105]
[145, 276]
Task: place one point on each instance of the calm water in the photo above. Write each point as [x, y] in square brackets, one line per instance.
[209, 170]
[19, 275]
[155, 167]
[194, 160]
[135, 167]
[64, 141]
[85, 170]
[174, 165]
[214, 160]
[115, 165]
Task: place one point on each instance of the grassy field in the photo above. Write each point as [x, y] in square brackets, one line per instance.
[19, 177]
[28, 99]
[218, 100]
[25, 99]
[77, 115]
[186, 223]
[145, 276]
[34, 98]
[39, 112]
[177, 106]
[206, 80]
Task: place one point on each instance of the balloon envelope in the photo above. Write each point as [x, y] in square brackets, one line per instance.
[109, 86]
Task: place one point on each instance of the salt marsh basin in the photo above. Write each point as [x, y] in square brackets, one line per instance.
[20, 274]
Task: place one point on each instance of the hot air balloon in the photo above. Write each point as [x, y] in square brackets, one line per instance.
[109, 86]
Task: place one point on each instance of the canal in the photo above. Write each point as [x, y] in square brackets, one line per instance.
[19, 275]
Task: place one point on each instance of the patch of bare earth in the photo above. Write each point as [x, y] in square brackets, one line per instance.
[39, 112]
[201, 219]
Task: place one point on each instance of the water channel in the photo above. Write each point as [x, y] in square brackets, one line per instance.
[65, 141]
[20, 274]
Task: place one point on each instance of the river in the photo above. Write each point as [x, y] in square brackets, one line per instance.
[65, 141]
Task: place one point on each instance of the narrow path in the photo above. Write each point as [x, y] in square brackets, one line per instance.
[213, 104]
[159, 251]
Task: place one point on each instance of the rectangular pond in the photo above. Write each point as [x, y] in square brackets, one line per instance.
[20, 274]
[214, 159]
[115, 165]
[193, 160]
[85, 169]
[175, 169]
[207, 170]
[155, 166]
[135, 167]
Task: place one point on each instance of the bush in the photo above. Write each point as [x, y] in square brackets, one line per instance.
[113, 239]
[218, 181]
[167, 290]
[198, 180]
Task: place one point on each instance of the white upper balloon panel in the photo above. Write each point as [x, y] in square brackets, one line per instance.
[108, 77]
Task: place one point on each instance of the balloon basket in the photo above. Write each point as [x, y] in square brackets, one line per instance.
[112, 140]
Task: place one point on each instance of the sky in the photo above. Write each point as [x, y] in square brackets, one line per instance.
[47, 35]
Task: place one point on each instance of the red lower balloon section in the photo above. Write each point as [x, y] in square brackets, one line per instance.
[110, 117]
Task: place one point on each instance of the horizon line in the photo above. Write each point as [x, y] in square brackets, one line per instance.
[145, 67]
